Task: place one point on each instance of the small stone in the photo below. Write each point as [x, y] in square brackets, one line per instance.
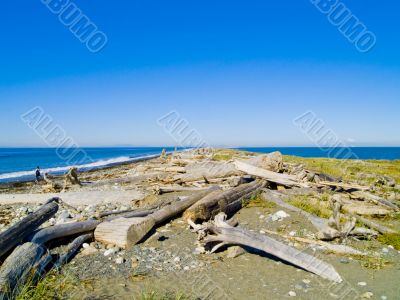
[85, 245]
[234, 251]
[292, 233]
[383, 297]
[279, 216]
[119, 260]
[385, 250]
[362, 283]
[262, 231]
[367, 295]
[186, 268]
[344, 261]
[390, 247]
[177, 259]
[199, 250]
[261, 217]
[292, 294]
[109, 252]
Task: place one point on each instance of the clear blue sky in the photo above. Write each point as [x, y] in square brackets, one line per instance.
[238, 71]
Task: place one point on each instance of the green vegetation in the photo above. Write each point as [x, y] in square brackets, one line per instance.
[167, 296]
[223, 155]
[258, 201]
[390, 239]
[374, 262]
[312, 206]
[365, 172]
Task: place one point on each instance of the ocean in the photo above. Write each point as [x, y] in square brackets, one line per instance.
[18, 164]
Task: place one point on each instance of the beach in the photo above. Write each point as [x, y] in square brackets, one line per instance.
[170, 262]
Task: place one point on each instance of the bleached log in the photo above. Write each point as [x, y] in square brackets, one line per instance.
[228, 202]
[378, 227]
[342, 185]
[375, 199]
[19, 231]
[63, 230]
[125, 232]
[282, 179]
[277, 198]
[173, 189]
[339, 249]
[224, 234]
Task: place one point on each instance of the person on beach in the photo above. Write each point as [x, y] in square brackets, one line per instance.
[38, 175]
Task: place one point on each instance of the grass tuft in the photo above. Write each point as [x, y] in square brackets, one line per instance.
[390, 239]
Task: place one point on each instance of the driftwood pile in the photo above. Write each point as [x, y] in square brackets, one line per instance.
[217, 190]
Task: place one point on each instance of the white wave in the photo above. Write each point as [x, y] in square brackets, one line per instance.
[94, 165]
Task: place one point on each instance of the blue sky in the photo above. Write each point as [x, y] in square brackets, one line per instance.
[238, 71]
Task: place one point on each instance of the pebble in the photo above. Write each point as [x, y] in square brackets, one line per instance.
[367, 295]
[111, 251]
[177, 259]
[292, 294]
[385, 250]
[383, 297]
[119, 260]
[234, 251]
[344, 261]
[279, 216]
[186, 268]
[362, 283]
[292, 233]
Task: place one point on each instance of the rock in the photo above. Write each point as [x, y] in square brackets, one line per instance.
[235, 251]
[89, 251]
[119, 260]
[385, 181]
[279, 216]
[177, 259]
[292, 294]
[362, 283]
[199, 250]
[367, 295]
[385, 250]
[186, 268]
[85, 245]
[344, 261]
[111, 251]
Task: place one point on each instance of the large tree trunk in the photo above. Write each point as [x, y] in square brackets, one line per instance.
[228, 202]
[282, 179]
[125, 232]
[58, 231]
[18, 232]
[224, 234]
[17, 268]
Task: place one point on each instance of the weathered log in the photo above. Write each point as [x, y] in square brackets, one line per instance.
[18, 232]
[375, 199]
[342, 185]
[277, 198]
[125, 232]
[224, 234]
[228, 202]
[378, 227]
[282, 179]
[72, 248]
[173, 189]
[339, 249]
[58, 231]
[17, 268]
[172, 169]
[132, 214]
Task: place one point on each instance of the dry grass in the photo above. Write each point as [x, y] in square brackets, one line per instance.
[312, 205]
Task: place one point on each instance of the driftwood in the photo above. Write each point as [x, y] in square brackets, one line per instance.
[209, 170]
[131, 214]
[18, 232]
[375, 199]
[63, 230]
[172, 189]
[282, 179]
[125, 232]
[277, 198]
[224, 234]
[378, 227]
[342, 185]
[17, 268]
[72, 248]
[339, 249]
[228, 202]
